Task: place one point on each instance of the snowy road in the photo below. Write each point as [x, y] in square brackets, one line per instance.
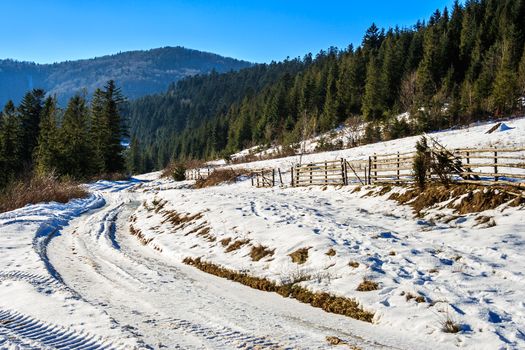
[166, 304]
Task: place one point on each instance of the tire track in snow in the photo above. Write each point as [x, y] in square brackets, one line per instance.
[30, 332]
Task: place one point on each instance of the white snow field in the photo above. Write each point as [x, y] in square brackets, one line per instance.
[73, 276]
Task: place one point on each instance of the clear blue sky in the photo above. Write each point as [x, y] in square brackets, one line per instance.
[258, 31]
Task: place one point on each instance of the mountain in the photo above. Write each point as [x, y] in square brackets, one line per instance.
[138, 73]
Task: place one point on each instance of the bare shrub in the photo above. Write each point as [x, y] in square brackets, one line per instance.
[449, 325]
[41, 188]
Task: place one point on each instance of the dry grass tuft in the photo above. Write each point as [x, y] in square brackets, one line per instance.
[225, 241]
[300, 255]
[328, 302]
[448, 325]
[236, 245]
[221, 176]
[353, 264]
[260, 252]
[331, 252]
[367, 286]
[39, 189]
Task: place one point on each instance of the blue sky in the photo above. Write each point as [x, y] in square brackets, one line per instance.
[258, 31]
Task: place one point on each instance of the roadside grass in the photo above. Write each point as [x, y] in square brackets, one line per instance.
[259, 252]
[326, 301]
[367, 286]
[222, 176]
[38, 189]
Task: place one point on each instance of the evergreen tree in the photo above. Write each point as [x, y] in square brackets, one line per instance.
[112, 102]
[76, 152]
[373, 106]
[10, 144]
[29, 112]
[48, 138]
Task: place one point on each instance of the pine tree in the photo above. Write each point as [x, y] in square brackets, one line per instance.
[48, 138]
[373, 105]
[505, 92]
[112, 102]
[10, 144]
[29, 111]
[100, 131]
[76, 157]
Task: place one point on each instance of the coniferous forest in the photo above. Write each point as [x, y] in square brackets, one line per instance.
[81, 141]
[463, 64]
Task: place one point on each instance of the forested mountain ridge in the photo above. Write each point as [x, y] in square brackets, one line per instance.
[138, 73]
[464, 63]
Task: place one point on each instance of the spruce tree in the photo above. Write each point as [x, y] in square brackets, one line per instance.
[112, 103]
[373, 105]
[29, 111]
[11, 144]
[48, 138]
[76, 157]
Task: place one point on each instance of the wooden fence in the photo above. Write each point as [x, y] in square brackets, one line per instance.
[264, 178]
[390, 167]
[198, 174]
[493, 165]
[490, 166]
[330, 172]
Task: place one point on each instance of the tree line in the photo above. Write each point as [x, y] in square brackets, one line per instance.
[82, 141]
[462, 65]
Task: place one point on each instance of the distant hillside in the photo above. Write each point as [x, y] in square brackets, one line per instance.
[138, 73]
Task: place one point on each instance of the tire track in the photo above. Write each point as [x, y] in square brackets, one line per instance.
[30, 332]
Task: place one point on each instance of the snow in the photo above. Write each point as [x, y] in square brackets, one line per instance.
[73, 274]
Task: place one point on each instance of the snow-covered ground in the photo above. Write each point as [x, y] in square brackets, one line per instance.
[73, 276]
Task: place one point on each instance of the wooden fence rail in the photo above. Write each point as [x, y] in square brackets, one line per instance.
[330, 172]
[482, 165]
[263, 178]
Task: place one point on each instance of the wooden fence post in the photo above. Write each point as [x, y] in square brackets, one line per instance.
[369, 170]
[325, 173]
[293, 185]
[311, 175]
[343, 171]
[280, 176]
[398, 166]
[496, 178]
[273, 177]
[375, 167]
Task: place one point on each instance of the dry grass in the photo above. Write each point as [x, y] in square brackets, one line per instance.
[221, 176]
[236, 245]
[259, 252]
[449, 325]
[300, 255]
[328, 302]
[474, 199]
[417, 298]
[330, 252]
[39, 189]
[225, 241]
[179, 220]
[353, 264]
[367, 286]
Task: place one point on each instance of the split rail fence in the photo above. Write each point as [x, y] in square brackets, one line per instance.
[489, 166]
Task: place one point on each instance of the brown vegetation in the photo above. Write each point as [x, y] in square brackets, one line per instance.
[260, 252]
[236, 245]
[353, 264]
[39, 189]
[474, 198]
[300, 255]
[367, 286]
[328, 302]
[221, 176]
[330, 252]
